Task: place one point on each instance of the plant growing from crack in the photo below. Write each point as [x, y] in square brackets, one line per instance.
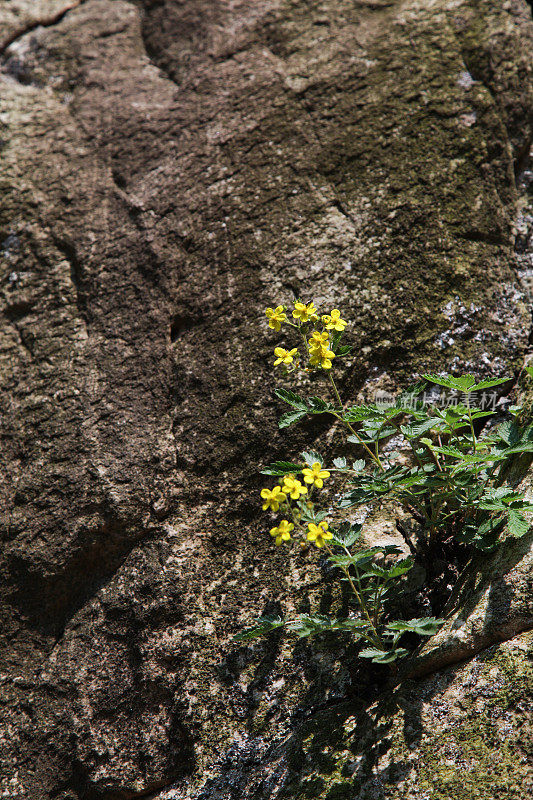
[449, 483]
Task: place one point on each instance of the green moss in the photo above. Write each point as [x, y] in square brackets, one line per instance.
[461, 734]
[480, 754]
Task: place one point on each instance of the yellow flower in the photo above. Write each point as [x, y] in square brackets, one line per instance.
[282, 532]
[275, 317]
[293, 487]
[318, 339]
[304, 312]
[321, 357]
[318, 533]
[273, 498]
[284, 356]
[316, 475]
[318, 350]
[333, 321]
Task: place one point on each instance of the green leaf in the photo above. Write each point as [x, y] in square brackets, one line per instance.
[342, 560]
[483, 537]
[480, 414]
[359, 465]
[315, 405]
[263, 626]
[291, 398]
[523, 447]
[401, 568]
[487, 384]
[335, 342]
[290, 418]
[343, 350]
[340, 463]
[310, 514]
[383, 656]
[416, 429]
[309, 624]
[508, 432]
[427, 626]
[311, 457]
[348, 534]
[518, 525]
[461, 384]
[282, 468]
[375, 432]
[358, 413]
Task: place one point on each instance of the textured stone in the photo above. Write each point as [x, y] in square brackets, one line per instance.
[167, 170]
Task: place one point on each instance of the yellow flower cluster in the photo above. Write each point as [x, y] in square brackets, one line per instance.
[318, 345]
[293, 498]
[290, 488]
[321, 355]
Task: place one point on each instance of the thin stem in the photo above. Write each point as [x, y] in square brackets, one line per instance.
[474, 440]
[374, 457]
[377, 611]
[359, 597]
[336, 391]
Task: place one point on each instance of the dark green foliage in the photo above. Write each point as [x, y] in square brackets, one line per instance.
[451, 479]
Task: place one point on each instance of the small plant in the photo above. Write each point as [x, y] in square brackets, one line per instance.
[430, 453]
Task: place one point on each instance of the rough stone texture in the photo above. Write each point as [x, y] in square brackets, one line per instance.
[465, 733]
[167, 170]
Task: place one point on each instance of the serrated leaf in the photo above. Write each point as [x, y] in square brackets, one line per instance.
[291, 398]
[416, 429]
[340, 463]
[341, 560]
[282, 468]
[508, 432]
[517, 524]
[427, 626]
[462, 384]
[358, 413]
[343, 350]
[480, 414]
[523, 447]
[263, 626]
[382, 656]
[315, 405]
[290, 417]
[487, 384]
[348, 534]
[311, 457]
[483, 537]
[401, 568]
[309, 624]
[376, 433]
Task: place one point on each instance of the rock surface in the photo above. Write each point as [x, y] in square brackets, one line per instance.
[168, 169]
